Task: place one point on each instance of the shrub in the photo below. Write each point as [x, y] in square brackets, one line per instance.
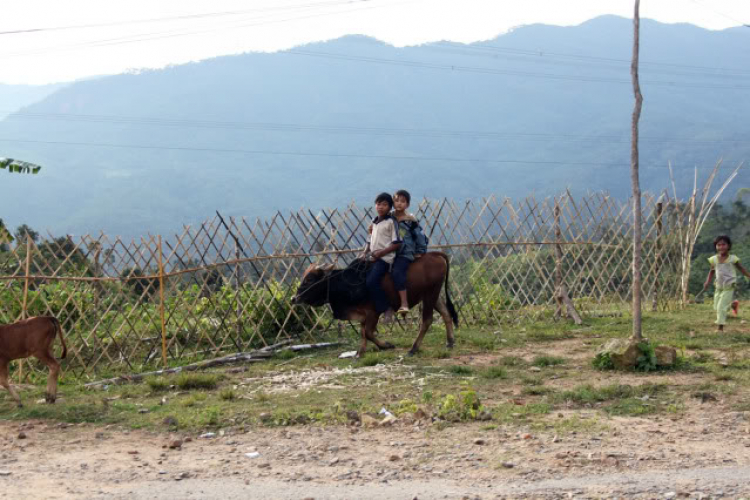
[188, 381]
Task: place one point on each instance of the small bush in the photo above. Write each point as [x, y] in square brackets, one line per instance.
[545, 361]
[188, 381]
[460, 370]
[462, 406]
[514, 361]
[495, 372]
[646, 360]
[228, 394]
[603, 361]
[157, 384]
[369, 360]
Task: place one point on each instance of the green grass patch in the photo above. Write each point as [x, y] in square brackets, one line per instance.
[545, 361]
[157, 384]
[190, 381]
[461, 370]
[494, 373]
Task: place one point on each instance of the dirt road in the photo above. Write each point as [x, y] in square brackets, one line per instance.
[707, 455]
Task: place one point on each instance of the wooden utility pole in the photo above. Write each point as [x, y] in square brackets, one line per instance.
[634, 175]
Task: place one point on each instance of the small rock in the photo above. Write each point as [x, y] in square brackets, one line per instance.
[208, 435]
[265, 417]
[535, 369]
[175, 444]
[21, 435]
[5, 473]
[181, 476]
[527, 436]
[394, 458]
[99, 435]
[334, 461]
[369, 421]
[352, 416]
[170, 421]
[252, 454]
[480, 441]
[670, 495]
[132, 452]
[508, 465]
[143, 410]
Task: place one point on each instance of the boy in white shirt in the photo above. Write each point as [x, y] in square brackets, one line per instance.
[383, 245]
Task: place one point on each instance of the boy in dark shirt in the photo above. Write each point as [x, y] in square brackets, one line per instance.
[414, 245]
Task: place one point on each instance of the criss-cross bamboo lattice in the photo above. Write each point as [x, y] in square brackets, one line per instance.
[226, 284]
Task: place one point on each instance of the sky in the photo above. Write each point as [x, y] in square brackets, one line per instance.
[46, 41]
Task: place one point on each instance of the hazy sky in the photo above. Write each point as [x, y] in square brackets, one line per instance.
[137, 35]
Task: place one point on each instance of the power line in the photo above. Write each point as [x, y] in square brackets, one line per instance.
[173, 18]
[356, 130]
[146, 37]
[492, 71]
[327, 155]
[721, 14]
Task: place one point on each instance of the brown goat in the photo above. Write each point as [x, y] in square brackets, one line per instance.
[31, 337]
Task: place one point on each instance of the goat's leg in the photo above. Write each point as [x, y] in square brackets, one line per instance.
[443, 310]
[6, 383]
[48, 359]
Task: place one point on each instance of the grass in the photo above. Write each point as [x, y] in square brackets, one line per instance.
[210, 400]
[545, 361]
[190, 381]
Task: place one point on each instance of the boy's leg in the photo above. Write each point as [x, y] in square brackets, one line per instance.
[375, 287]
[722, 303]
[400, 268]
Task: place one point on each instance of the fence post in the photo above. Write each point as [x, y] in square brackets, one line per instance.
[238, 287]
[24, 311]
[161, 307]
[657, 253]
[558, 261]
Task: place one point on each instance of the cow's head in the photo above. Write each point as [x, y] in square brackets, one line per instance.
[313, 289]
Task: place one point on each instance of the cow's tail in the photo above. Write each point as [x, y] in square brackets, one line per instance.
[58, 330]
[448, 301]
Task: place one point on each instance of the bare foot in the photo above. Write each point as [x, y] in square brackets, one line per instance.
[735, 307]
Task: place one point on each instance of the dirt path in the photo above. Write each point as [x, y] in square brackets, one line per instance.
[706, 453]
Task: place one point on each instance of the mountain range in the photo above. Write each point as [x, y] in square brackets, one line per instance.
[536, 110]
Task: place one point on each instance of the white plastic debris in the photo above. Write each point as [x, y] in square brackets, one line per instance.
[252, 454]
[348, 354]
[385, 412]
[208, 435]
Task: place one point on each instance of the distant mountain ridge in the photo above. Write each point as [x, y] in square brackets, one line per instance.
[542, 108]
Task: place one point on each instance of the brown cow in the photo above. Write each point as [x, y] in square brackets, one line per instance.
[31, 337]
[343, 289]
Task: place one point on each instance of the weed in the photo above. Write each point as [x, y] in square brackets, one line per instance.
[188, 381]
[461, 371]
[603, 361]
[228, 394]
[545, 361]
[462, 406]
[494, 372]
[157, 384]
[514, 361]
[369, 360]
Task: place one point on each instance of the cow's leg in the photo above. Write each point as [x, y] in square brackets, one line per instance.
[6, 383]
[363, 341]
[48, 359]
[443, 310]
[371, 325]
[428, 306]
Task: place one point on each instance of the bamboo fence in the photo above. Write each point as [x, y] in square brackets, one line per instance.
[225, 285]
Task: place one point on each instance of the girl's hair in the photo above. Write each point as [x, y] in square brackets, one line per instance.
[403, 193]
[386, 198]
[726, 239]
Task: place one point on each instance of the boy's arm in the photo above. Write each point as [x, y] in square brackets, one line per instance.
[742, 269]
[708, 280]
[393, 247]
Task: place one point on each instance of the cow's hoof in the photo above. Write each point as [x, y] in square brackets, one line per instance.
[20, 405]
[49, 399]
[387, 346]
[449, 345]
[412, 352]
